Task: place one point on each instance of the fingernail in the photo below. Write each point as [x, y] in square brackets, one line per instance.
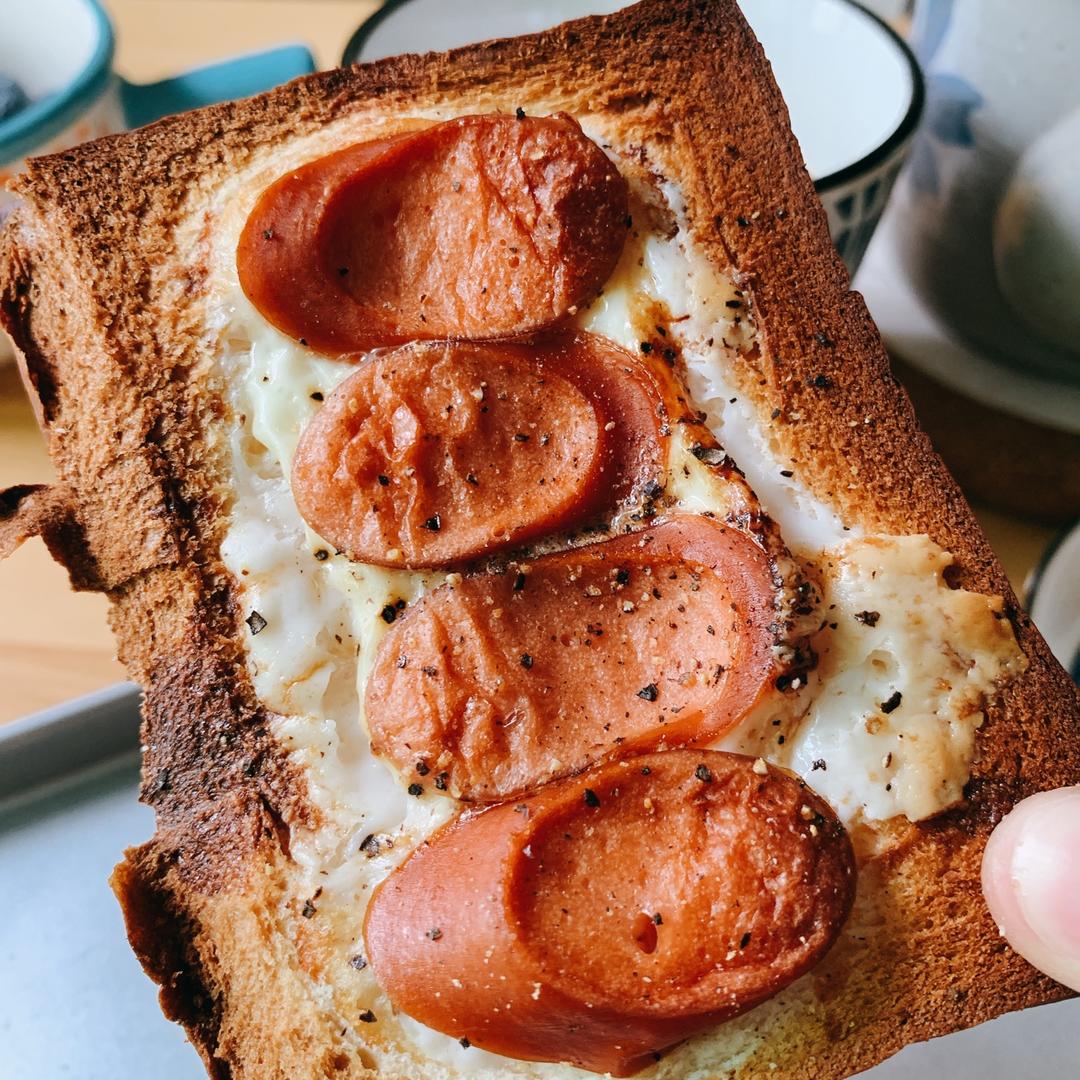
[1031, 877]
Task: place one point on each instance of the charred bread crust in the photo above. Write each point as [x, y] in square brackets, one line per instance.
[101, 304]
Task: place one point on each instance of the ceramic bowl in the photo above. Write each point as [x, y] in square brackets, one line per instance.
[1053, 599]
[853, 88]
[61, 52]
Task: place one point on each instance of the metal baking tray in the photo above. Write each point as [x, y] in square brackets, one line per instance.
[74, 1004]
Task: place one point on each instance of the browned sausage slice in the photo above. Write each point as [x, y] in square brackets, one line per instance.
[433, 454]
[609, 916]
[481, 227]
[503, 681]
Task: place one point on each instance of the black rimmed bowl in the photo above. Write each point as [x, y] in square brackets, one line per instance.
[853, 88]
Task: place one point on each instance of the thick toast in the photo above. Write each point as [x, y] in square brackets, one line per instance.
[104, 274]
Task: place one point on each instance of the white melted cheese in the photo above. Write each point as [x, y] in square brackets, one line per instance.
[319, 617]
[902, 681]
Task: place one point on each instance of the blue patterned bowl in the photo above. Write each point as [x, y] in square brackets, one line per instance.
[853, 88]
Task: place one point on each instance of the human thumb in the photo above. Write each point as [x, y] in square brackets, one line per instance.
[1031, 881]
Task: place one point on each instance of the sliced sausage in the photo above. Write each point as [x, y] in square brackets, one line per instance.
[609, 916]
[433, 454]
[503, 681]
[482, 227]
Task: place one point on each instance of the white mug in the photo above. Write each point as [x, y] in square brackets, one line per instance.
[990, 205]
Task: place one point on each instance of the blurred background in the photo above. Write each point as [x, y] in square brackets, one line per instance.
[966, 135]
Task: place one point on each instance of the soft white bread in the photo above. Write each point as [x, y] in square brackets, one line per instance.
[106, 282]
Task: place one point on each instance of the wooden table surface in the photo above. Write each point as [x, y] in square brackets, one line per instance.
[55, 644]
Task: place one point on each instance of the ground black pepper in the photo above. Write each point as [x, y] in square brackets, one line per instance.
[893, 703]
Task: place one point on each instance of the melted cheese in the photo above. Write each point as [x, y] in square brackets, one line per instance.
[902, 681]
[320, 617]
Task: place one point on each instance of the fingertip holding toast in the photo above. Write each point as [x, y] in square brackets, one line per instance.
[878, 659]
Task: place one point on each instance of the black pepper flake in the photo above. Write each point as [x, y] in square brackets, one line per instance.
[433, 934]
[343, 271]
[787, 472]
[519, 582]
[658, 919]
[308, 909]
[416, 790]
[256, 623]
[622, 576]
[745, 940]
[388, 613]
[822, 382]
[893, 703]
[868, 618]
[316, 395]
[358, 962]
[303, 341]
[367, 1017]
[520, 436]
[646, 348]
[733, 303]
[465, 1042]
[519, 112]
[704, 773]
[591, 798]
[649, 693]
[433, 523]
[742, 222]
[823, 339]
[645, 770]
[653, 489]
[440, 781]
[709, 455]
[471, 479]
[384, 481]
[370, 845]
[670, 354]
[775, 414]
[526, 660]
[422, 767]
[819, 764]
[268, 234]
[629, 222]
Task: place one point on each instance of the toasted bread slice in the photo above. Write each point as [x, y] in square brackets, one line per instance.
[111, 285]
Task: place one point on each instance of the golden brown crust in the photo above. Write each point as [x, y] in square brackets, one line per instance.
[102, 306]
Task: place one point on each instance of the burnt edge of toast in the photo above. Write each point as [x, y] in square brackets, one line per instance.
[118, 382]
